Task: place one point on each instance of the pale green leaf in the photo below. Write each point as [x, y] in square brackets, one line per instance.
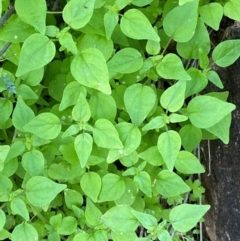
[134, 24]
[72, 197]
[83, 145]
[206, 111]
[41, 191]
[92, 214]
[169, 144]
[66, 40]
[176, 118]
[185, 216]
[152, 156]
[231, 9]
[19, 207]
[37, 50]
[45, 125]
[214, 78]
[139, 101]
[24, 232]
[143, 181]
[110, 22]
[4, 149]
[68, 226]
[78, 13]
[6, 107]
[32, 12]
[2, 219]
[155, 123]
[181, 21]
[90, 69]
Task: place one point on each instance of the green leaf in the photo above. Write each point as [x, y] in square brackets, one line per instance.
[105, 135]
[152, 156]
[81, 110]
[110, 22]
[71, 94]
[44, 125]
[83, 145]
[2, 219]
[155, 123]
[41, 191]
[153, 47]
[77, 14]
[143, 181]
[185, 216]
[164, 235]
[130, 136]
[32, 12]
[206, 111]
[141, 3]
[134, 24]
[124, 237]
[187, 163]
[24, 232]
[166, 66]
[125, 61]
[37, 48]
[4, 149]
[169, 144]
[214, 78]
[120, 219]
[68, 226]
[113, 187]
[19, 207]
[200, 40]
[6, 107]
[173, 97]
[212, 14]
[147, 221]
[5, 188]
[16, 31]
[182, 27]
[226, 53]
[72, 197]
[190, 136]
[95, 74]
[231, 9]
[175, 118]
[66, 40]
[169, 184]
[91, 185]
[92, 214]
[102, 106]
[33, 162]
[139, 101]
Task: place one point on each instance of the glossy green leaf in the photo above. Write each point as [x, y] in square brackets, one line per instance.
[200, 40]
[77, 14]
[33, 162]
[187, 163]
[166, 65]
[169, 144]
[2, 219]
[139, 101]
[102, 106]
[91, 185]
[110, 22]
[44, 125]
[6, 107]
[206, 111]
[83, 146]
[125, 61]
[147, 221]
[185, 216]
[41, 191]
[81, 110]
[68, 226]
[19, 207]
[33, 12]
[134, 24]
[226, 53]
[92, 214]
[105, 135]
[231, 9]
[190, 136]
[173, 98]
[212, 14]
[95, 74]
[24, 232]
[120, 219]
[169, 184]
[143, 181]
[182, 27]
[37, 48]
[113, 187]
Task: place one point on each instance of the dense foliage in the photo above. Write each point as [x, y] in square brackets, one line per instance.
[102, 114]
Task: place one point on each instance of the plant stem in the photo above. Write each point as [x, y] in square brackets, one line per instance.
[6, 136]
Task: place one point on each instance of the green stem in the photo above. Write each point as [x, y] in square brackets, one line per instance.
[6, 136]
[50, 12]
[38, 214]
[164, 50]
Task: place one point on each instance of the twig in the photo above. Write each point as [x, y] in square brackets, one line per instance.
[209, 159]
[5, 48]
[7, 15]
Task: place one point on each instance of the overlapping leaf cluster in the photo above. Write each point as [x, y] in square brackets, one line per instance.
[100, 113]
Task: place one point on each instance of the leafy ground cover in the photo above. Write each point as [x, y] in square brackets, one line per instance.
[102, 116]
